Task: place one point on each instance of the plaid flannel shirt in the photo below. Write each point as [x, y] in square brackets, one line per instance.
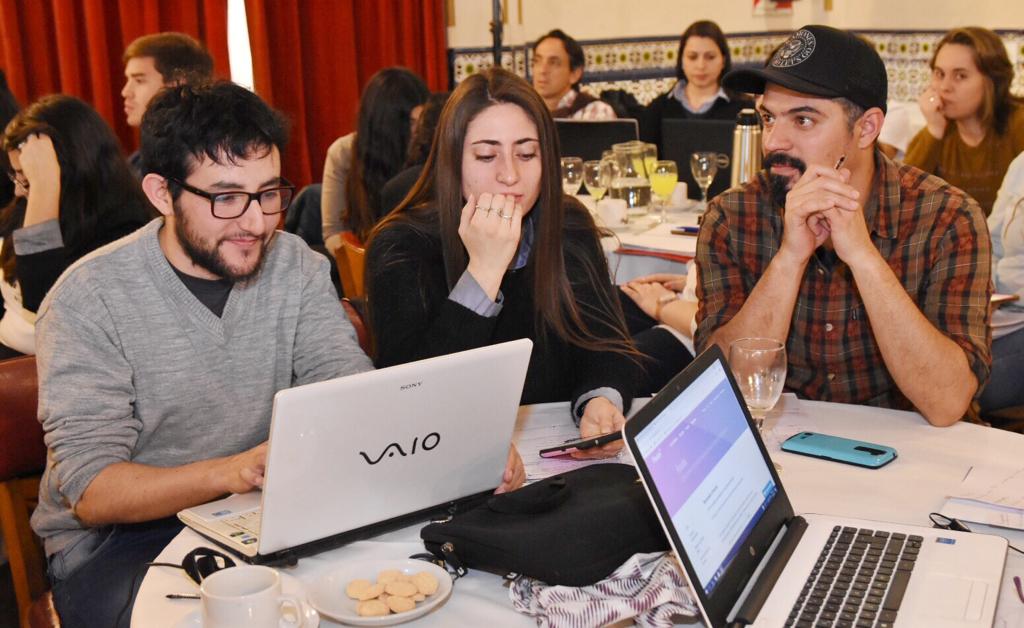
[933, 237]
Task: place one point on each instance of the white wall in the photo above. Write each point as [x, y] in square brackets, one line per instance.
[607, 19]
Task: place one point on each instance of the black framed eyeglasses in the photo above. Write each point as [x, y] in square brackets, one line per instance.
[947, 523]
[228, 205]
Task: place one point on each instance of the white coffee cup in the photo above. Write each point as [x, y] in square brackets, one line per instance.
[612, 211]
[678, 198]
[249, 595]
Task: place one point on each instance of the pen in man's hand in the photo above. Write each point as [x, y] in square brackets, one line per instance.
[839, 164]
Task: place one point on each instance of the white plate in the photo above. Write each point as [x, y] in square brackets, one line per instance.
[290, 585]
[327, 593]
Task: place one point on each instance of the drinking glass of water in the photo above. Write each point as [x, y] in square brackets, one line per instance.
[704, 166]
[759, 365]
[663, 181]
[572, 175]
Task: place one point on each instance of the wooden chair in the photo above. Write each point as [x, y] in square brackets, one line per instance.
[1010, 419]
[351, 261]
[22, 459]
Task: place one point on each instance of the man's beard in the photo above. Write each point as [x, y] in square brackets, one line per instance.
[781, 185]
[208, 256]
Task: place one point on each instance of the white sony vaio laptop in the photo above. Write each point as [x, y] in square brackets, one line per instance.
[355, 456]
[750, 561]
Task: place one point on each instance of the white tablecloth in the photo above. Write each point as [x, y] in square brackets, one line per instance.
[644, 247]
[932, 461]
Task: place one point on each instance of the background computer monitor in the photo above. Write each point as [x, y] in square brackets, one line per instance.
[682, 137]
[587, 139]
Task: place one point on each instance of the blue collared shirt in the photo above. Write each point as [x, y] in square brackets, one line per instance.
[679, 93]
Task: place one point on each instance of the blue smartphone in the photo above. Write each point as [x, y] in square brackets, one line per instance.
[840, 449]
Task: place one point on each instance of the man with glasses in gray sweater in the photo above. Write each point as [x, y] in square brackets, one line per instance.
[159, 355]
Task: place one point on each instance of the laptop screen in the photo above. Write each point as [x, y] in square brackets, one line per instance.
[709, 472]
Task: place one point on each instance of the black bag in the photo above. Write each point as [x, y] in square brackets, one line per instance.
[572, 529]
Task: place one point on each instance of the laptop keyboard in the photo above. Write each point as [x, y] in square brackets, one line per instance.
[858, 581]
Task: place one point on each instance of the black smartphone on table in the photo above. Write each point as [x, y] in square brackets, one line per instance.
[582, 444]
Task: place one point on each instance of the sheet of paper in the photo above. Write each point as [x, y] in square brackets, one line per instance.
[547, 425]
[660, 238]
[979, 512]
[1001, 486]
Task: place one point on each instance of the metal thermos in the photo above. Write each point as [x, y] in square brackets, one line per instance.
[746, 147]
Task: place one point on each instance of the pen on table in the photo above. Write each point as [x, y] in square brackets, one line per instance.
[839, 164]
[968, 473]
[1020, 590]
[182, 596]
[685, 230]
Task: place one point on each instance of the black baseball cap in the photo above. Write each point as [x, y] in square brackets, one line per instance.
[821, 61]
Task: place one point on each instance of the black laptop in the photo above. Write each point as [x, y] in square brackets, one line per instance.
[587, 139]
[682, 137]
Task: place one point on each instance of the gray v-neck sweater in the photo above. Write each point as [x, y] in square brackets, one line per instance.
[133, 367]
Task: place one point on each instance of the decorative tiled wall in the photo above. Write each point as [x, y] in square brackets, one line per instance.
[645, 67]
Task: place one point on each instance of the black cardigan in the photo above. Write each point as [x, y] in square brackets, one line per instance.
[37, 272]
[412, 317]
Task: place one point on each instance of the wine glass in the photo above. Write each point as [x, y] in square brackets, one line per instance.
[704, 166]
[572, 174]
[592, 177]
[759, 365]
[663, 181]
[650, 152]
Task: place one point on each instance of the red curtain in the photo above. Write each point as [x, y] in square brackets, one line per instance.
[75, 46]
[311, 59]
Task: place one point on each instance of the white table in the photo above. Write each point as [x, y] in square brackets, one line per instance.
[643, 247]
[931, 462]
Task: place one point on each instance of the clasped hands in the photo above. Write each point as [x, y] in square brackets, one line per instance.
[823, 206]
[650, 290]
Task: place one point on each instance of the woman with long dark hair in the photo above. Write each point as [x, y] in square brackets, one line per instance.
[360, 163]
[79, 193]
[9, 108]
[974, 126]
[702, 61]
[419, 147]
[487, 248]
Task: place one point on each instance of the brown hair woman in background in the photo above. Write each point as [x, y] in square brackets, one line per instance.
[974, 126]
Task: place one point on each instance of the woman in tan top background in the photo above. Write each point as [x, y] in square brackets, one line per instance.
[974, 126]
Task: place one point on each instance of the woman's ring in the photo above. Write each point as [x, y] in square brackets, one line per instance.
[480, 208]
[506, 216]
[21, 146]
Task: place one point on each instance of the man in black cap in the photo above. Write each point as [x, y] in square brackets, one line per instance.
[874, 275]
